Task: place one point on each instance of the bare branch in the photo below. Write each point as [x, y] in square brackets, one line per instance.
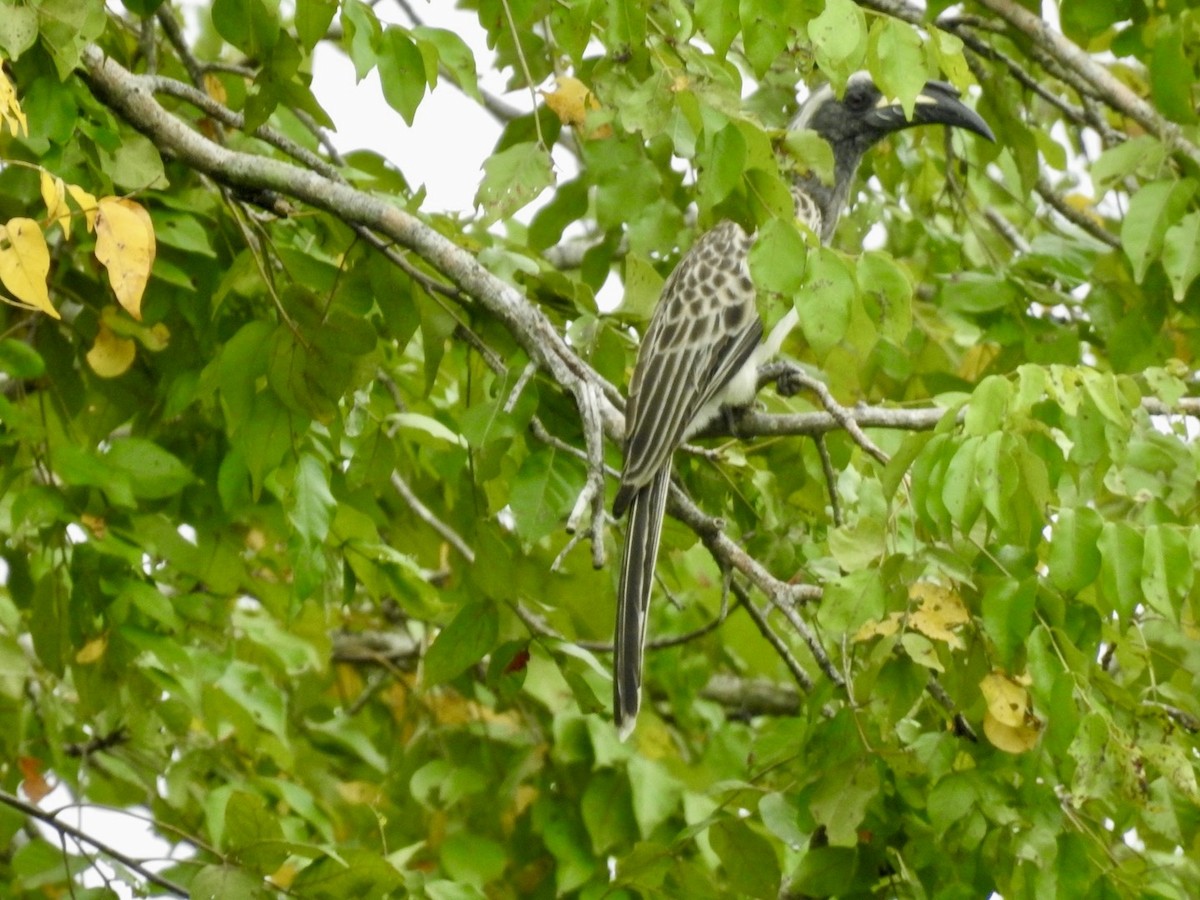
[1105, 85]
[63, 828]
[426, 515]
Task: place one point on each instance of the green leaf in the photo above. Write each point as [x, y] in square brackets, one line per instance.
[840, 802]
[748, 859]
[252, 833]
[896, 61]
[401, 72]
[225, 881]
[764, 32]
[656, 793]
[947, 50]
[1121, 549]
[811, 152]
[470, 636]
[250, 25]
[1181, 253]
[779, 257]
[1167, 570]
[825, 872]
[1008, 614]
[66, 27]
[247, 686]
[135, 164]
[455, 55]
[312, 20]
[19, 360]
[961, 490]
[1153, 210]
[887, 294]
[355, 872]
[606, 811]
[1142, 155]
[643, 287]
[988, 408]
[825, 300]
[362, 33]
[543, 491]
[311, 503]
[718, 22]
[1174, 93]
[1074, 560]
[18, 30]
[513, 178]
[473, 861]
[839, 38]
[723, 164]
[153, 472]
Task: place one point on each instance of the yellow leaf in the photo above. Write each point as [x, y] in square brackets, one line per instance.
[940, 610]
[874, 629]
[215, 88]
[10, 107]
[571, 101]
[365, 792]
[87, 204]
[97, 525]
[1010, 738]
[92, 650]
[25, 263]
[125, 246]
[111, 355]
[54, 196]
[1009, 722]
[1007, 701]
[977, 359]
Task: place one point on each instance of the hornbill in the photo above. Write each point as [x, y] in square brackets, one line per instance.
[705, 343]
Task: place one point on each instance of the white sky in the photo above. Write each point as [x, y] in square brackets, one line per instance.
[451, 135]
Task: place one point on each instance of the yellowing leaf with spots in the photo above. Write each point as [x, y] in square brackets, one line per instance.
[125, 246]
[940, 610]
[10, 108]
[54, 195]
[876, 628]
[25, 263]
[87, 204]
[111, 355]
[1009, 723]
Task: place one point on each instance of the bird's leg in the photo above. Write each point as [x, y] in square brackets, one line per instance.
[732, 417]
[788, 377]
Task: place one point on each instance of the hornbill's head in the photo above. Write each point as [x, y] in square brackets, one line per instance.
[864, 115]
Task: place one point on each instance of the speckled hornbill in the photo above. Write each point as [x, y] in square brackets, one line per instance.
[705, 343]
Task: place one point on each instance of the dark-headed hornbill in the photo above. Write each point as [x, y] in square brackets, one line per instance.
[705, 342]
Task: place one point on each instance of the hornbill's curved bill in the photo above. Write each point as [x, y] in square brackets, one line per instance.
[705, 342]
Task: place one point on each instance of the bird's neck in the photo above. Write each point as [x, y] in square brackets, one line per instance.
[828, 199]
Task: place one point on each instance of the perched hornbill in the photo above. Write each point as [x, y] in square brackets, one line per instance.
[704, 345]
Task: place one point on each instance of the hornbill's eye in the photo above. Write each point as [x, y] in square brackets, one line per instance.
[858, 97]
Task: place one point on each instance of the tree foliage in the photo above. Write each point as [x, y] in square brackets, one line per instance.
[289, 461]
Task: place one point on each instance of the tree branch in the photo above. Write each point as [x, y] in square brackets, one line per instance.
[1106, 85]
[71, 831]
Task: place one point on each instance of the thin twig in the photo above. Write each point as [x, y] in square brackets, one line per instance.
[788, 375]
[516, 37]
[961, 726]
[51, 819]
[777, 643]
[1076, 216]
[830, 479]
[426, 515]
